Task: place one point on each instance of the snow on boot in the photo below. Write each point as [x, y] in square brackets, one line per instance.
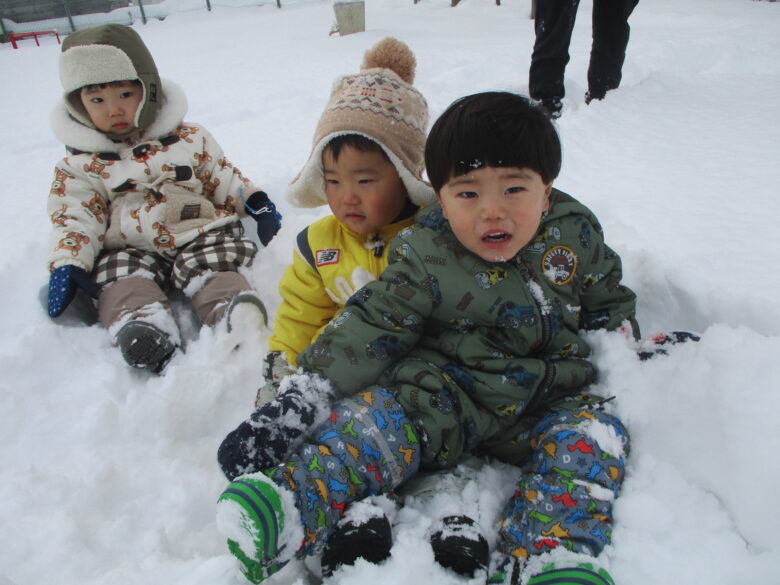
[144, 346]
[246, 308]
[261, 524]
[580, 574]
[274, 430]
[358, 537]
[458, 544]
[503, 570]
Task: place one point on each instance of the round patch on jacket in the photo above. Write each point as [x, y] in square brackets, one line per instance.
[559, 265]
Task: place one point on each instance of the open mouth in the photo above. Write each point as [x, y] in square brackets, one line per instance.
[496, 237]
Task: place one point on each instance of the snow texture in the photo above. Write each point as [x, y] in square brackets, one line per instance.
[109, 475]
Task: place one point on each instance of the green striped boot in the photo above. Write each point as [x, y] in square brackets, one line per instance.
[261, 524]
[581, 574]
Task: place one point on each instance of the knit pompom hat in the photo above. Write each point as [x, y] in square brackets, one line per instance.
[380, 104]
[106, 53]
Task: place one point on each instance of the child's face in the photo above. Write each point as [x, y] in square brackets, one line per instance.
[112, 107]
[364, 190]
[495, 211]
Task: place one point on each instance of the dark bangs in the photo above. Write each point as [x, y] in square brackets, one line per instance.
[497, 129]
[357, 141]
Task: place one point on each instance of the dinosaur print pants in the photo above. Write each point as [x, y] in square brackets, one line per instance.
[368, 446]
[565, 495]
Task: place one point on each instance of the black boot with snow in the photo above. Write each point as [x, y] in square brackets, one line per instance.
[551, 107]
[144, 346]
[458, 544]
[371, 540]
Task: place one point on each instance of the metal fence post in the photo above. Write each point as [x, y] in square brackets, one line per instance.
[208, 5]
[143, 14]
[70, 18]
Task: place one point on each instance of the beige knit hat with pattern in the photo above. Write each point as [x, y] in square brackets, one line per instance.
[378, 103]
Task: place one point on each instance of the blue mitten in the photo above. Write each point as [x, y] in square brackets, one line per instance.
[263, 211]
[63, 284]
[274, 430]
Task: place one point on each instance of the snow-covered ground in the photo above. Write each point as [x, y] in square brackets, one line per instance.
[109, 476]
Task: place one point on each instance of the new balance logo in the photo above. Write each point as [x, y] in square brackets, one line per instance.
[327, 257]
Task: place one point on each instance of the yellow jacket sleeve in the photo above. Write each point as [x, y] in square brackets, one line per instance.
[305, 309]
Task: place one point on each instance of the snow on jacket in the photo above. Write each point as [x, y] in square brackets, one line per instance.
[157, 191]
[330, 264]
[476, 351]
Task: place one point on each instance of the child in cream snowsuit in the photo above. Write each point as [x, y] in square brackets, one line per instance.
[144, 202]
[471, 342]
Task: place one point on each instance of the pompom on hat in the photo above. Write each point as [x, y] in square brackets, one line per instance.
[103, 54]
[379, 103]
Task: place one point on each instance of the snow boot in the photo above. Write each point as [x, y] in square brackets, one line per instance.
[261, 524]
[246, 306]
[551, 107]
[370, 539]
[580, 574]
[504, 570]
[144, 346]
[458, 544]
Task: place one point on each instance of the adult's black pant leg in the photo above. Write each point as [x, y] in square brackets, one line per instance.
[553, 25]
[610, 39]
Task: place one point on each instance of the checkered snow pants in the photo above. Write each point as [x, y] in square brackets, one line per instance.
[368, 446]
[221, 251]
[566, 492]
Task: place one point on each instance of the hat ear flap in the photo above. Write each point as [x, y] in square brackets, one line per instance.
[381, 104]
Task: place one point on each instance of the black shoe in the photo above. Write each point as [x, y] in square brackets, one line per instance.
[590, 96]
[371, 540]
[551, 107]
[458, 544]
[144, 346]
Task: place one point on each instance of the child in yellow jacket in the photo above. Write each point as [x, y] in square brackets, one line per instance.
[366, 164]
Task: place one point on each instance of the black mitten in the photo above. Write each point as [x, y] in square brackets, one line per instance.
[274, 430]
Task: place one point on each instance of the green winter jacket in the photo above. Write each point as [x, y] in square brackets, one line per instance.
[476, 352]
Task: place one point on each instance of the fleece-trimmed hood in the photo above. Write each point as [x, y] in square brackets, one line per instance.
[76, 135]
[381, 104]
[106, 53]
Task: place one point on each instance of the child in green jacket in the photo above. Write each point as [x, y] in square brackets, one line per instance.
[470, 343]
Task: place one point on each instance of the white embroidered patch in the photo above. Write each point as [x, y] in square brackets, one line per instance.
[559, 264]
